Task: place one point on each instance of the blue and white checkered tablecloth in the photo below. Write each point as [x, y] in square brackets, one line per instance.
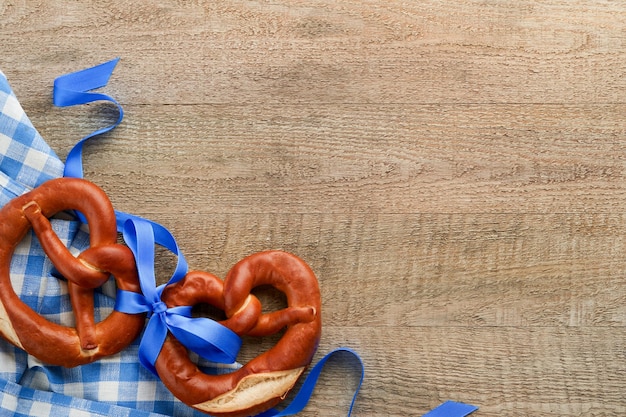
[114, 386]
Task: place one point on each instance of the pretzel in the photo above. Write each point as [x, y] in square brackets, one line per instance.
[265, 380]
[19, 324]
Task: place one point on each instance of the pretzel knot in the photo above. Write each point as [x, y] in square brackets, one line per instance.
[48, 341]
[265, 380]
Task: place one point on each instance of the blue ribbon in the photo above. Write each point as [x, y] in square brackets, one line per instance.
[302, 397]
[204, 336]
[452, 409]
[75, 88]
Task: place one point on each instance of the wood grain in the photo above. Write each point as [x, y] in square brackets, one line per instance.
[374, 52]
[363, 158]
[454, 172]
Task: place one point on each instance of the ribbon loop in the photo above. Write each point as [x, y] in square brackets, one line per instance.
[306, 390]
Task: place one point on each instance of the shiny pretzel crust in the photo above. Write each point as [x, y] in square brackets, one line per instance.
[19, 324]
[264, 381]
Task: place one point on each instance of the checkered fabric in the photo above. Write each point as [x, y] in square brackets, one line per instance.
[26, 161]
[114, 386]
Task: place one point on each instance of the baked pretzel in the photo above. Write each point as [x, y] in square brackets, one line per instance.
[19, 324]
[265, 380]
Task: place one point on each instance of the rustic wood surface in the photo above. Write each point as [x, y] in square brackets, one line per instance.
[454, 172]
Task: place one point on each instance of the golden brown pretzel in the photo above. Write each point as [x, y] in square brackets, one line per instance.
[19, 324]
[265, 380]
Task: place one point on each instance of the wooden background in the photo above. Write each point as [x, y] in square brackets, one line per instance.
[454, 172]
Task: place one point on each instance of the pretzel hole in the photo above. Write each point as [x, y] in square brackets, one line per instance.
[65, 215]
[208, 311]
[270, 297]
[108, 288]
[166, 264]
[255, 346]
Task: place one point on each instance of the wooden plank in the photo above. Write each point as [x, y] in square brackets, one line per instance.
[434, 270]
[453, 172]
[547, 371]
[364, 52]
[355, 158]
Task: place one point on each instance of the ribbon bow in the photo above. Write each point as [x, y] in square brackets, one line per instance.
[203, 336]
